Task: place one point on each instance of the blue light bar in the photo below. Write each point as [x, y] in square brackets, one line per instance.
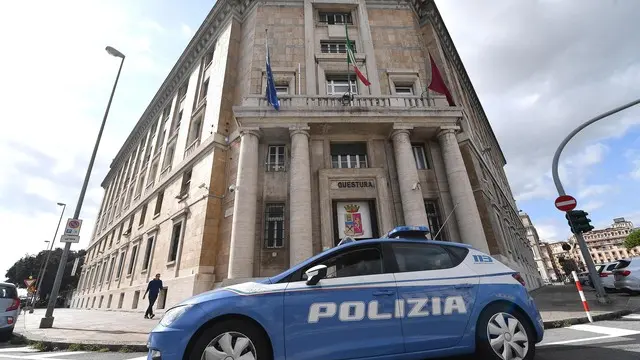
[409, 232]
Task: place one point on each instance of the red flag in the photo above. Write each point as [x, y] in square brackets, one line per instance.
[437, 83]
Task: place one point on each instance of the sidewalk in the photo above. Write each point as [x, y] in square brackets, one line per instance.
[113, 328]
[559, 306]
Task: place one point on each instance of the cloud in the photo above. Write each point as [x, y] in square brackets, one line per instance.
[186, 30]
[593, 190]
[592, 205]
[148, 24]
[547, 232]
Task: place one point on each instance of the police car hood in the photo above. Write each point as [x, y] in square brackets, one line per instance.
[225, 292]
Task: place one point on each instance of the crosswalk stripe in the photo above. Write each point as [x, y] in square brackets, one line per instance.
[604, 330]
[576, 340]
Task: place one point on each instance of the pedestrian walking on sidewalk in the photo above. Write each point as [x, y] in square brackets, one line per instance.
[153, 289]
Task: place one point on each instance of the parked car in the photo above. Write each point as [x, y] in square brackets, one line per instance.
[606, 275]
[9, 309]
[583, 277]
[627, 275]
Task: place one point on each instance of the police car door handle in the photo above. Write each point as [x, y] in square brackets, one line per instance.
[463, 286]
[383, 293]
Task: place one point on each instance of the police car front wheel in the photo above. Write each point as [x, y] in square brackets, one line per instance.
[231, 340]
[504, 334]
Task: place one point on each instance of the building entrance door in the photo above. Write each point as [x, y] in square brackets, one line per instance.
[354, 218]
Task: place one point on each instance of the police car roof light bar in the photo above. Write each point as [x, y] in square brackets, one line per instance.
[409, 232]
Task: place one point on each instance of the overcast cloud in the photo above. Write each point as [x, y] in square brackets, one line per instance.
[540, 68]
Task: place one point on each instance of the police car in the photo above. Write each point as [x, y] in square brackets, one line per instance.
[398, 297]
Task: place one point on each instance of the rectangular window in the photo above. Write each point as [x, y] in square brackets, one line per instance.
[132, 260]
[158, 203]
[339, 85]
[111, 266]
[175, 241]
[335, 18]
[420, 156]
[433, 217]
[274, 226]
[143, 214]
[186, 183]
[130, 226]
[208, 58]
[335, 47]
[120, 266]
[349, 155]
[404, 89]
[136, 299]
[194, 131]
[282, 90]
[276, 158]
[120, 232]
[147, 253]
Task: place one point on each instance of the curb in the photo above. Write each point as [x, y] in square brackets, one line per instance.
[584, 320]
[63, 345]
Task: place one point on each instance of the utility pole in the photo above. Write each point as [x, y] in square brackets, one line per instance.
[593, 274]
[47, 320]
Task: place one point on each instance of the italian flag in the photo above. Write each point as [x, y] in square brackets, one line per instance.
[351, 59]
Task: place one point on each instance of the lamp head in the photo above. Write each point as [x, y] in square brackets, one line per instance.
[114, 52]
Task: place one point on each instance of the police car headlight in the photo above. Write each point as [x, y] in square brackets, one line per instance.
[173, 314]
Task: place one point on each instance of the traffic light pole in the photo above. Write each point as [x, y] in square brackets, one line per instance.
[593, 274]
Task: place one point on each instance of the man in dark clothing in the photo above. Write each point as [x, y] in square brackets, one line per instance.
[153, 289]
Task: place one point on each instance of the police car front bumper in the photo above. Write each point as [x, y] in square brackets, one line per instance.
[167, 343]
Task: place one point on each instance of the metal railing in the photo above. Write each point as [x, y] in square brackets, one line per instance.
[338, 102]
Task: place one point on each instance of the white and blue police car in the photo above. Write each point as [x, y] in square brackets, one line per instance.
[397, 297]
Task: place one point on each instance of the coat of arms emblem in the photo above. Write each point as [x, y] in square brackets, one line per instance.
[353, 221]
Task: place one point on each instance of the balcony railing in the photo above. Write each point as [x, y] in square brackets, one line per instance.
[164, 172]
[191, 148]
[338, 102]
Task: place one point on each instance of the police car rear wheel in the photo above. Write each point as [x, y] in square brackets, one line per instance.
[231, 340]
[503, 334]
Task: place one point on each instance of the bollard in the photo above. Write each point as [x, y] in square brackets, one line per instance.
[584, 300]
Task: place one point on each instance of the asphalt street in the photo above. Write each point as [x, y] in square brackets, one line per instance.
[616, 339]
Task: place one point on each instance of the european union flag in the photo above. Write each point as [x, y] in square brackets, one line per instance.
[272, 95]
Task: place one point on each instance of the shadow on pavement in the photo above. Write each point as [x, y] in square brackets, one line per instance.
[102, 331]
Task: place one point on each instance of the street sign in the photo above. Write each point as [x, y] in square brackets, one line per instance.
[70, 238]
[73, 227]
[566, 203]
[29, 282]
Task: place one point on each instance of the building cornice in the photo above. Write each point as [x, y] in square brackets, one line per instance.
[214, 23]
[427, 11]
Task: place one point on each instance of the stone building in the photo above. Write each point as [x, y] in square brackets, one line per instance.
[605, 245]
[550, 262]
[534, 243]
[214, 185]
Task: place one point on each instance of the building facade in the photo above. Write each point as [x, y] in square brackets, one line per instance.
[215, 186]
[605, 245]
[550, 262]
[534, 243]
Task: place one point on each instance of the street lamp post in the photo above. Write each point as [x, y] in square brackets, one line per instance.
[47, 320]
[43, 269]
[593, 274]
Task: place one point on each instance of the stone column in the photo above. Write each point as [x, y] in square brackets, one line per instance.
[300, 238]
[467, 214]
[243, 228]
[410, 191]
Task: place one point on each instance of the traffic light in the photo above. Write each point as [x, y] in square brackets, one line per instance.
[578, 221]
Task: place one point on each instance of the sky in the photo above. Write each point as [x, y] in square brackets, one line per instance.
[540, 68]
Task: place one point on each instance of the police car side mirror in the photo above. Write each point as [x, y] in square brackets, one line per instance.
[315, 274]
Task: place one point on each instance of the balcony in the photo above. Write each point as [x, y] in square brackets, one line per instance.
[164, 172]
[330, 108]
[191, 148]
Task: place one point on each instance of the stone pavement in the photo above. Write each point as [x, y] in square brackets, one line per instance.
[559, 306]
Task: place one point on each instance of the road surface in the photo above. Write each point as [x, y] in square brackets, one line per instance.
[616, 339]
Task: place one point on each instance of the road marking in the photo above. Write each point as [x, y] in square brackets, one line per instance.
[632, 316]
[576, 340]
[604, 330]
[49, 355]
[140, 358]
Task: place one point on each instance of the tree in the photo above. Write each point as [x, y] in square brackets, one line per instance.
[29, 265]
[632, 240]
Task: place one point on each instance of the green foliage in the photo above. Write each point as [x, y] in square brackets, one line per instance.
[75, 347]
[40, 346]
[30, 265]
[125, 349]
[632, 240]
